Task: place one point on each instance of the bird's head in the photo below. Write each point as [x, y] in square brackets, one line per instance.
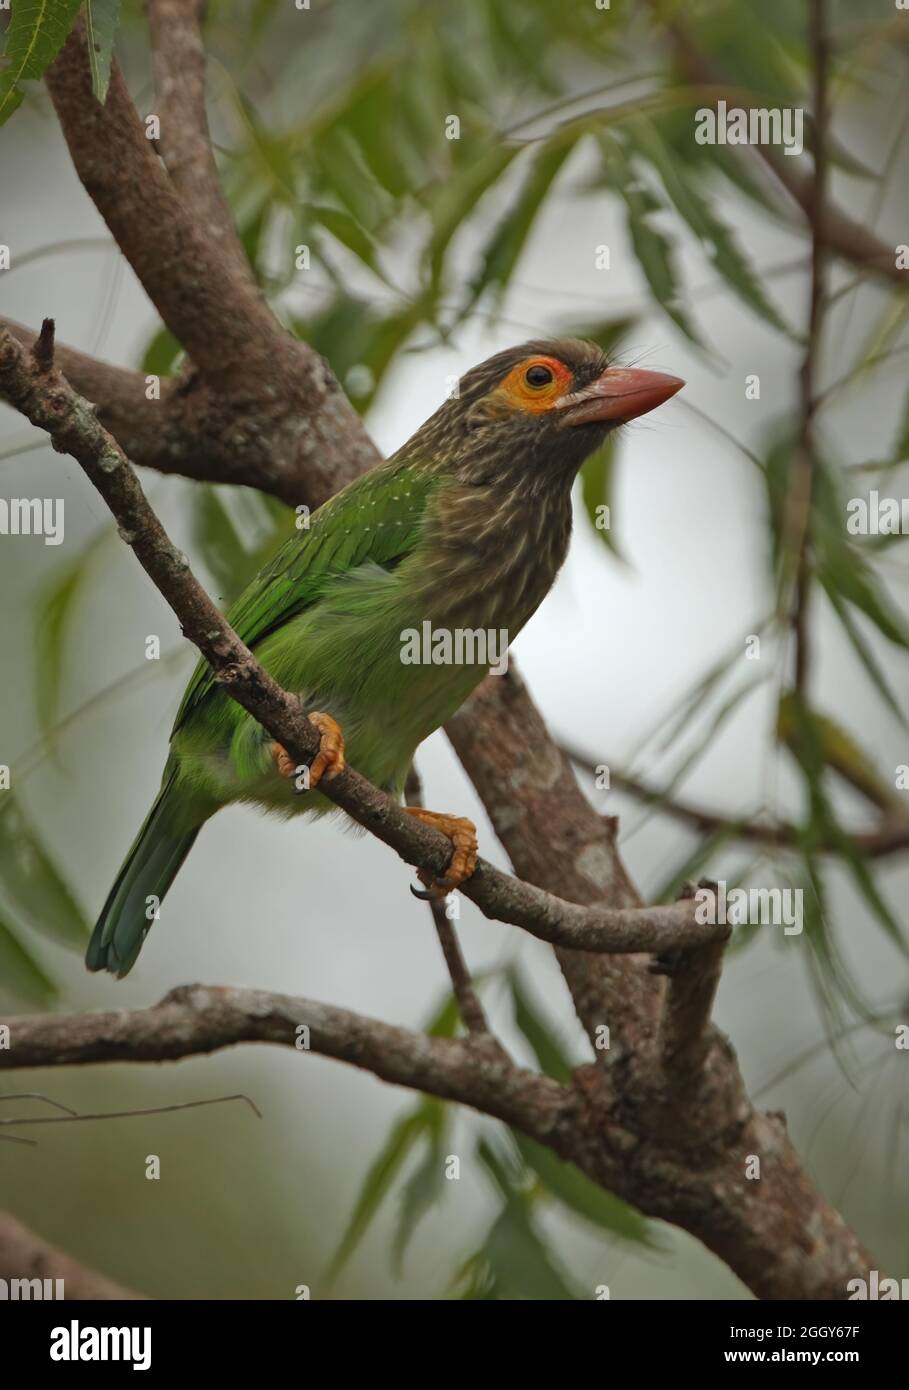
[538, 410]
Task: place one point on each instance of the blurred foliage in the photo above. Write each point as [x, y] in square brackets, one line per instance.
[513, 1259]
[34, 36]
[375, 236]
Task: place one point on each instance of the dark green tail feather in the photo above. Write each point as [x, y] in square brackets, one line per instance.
[149, 869]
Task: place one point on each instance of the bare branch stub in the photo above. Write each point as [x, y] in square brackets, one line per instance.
[43, 348]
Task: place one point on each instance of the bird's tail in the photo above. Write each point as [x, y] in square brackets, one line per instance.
[147, 872]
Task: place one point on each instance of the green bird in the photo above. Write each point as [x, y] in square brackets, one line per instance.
[461, 533]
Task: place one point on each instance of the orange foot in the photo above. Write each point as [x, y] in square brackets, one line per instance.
[329, 760]
[463, 835]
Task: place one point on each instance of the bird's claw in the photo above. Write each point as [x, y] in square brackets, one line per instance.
[327, 762]
[463, 835]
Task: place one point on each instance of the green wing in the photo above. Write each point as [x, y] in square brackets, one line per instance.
[377, 519]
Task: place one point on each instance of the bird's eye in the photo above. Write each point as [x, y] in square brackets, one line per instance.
[538, 376]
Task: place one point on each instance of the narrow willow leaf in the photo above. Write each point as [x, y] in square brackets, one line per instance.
[426, 1122]
[458, 198]
[56, 606]
[691, 866]
[546, 1047]
[840, 751]
[845, 569]
[713, 234]
[348, 232]
[36, 33]
[31, 882]
[597, 476]
[901, 448]
[21, 976]
[427, 1186]
[864, 652]
[804, 735]
[404, 1135]
[519, 1264]
[236, 532]
[503, 250]
[570, 1186]
[652, 249]
[101, 19]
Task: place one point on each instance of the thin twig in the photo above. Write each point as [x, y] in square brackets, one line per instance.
[469, 1006]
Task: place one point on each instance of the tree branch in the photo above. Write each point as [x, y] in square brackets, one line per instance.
[178, 62]
[265, 390]
[778, 1233]
[44, 396]
[473, 1015]
[196, 1019]
[191, 430]
[849, 239]
[24, 1255]
[891, 836]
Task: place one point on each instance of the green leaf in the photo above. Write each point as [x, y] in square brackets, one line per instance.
[691, 866]
[426, 1186]
[346, 175]
[20, 974]
[901, 448]
[162, 354]
[426, 1122]
[567, 1183]
[713, 234]
[597, 476]
[546, 1047]
[31, 882]
[404, 1135]
[458, 198]
[863, 651]
[843, 568]
[653, 250]
[503, 250]
[56, 605]
[348, 232]
[236, 531]
[101, 19]
[36, 33]
[808, 739]
[519, 1264]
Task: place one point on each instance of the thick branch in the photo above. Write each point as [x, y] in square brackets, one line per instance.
[280, 390]
[198, 1019]
[216, 314]
[778, 1233]
[178, 61]
[191, 430]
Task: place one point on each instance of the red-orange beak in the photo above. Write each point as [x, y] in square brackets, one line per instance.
[620, 394]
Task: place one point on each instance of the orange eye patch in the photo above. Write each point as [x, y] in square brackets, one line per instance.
[535, 384]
